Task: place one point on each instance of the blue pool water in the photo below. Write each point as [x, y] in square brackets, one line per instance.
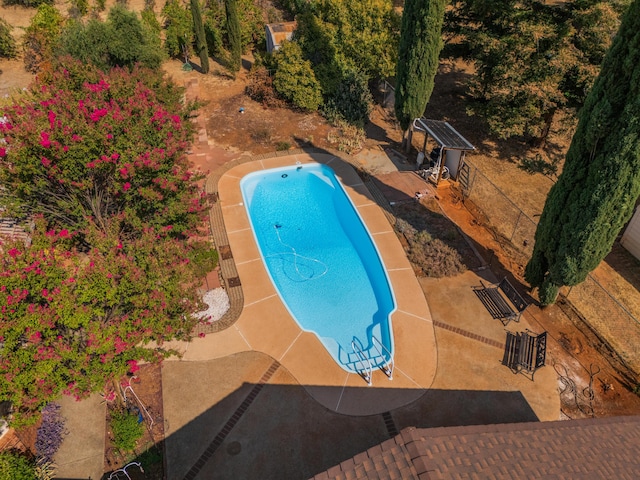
[322, 260]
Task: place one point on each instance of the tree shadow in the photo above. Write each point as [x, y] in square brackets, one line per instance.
[625, 264]
[449, 102]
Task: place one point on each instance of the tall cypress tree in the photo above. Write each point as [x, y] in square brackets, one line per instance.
[596, 192]
[233, 34]
[420, 45]
[201, 41]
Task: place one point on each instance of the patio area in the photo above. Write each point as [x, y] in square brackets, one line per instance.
[262, 399]
[266, 400]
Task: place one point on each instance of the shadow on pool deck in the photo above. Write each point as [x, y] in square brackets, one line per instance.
[276, 430]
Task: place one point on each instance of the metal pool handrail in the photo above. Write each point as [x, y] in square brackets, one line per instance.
[388, 365]
[360, 354]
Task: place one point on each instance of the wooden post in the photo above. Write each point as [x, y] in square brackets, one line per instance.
[443, 157]
[409, 139]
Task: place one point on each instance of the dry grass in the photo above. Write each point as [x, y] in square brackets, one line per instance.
[435, 246]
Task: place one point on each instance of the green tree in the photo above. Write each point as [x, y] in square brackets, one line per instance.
[233, 35]
[250, 17]
[531, 59]
[201, 41]
[294, 78]
[7, 42]
[338, 37]
[596, 192]
[178, 24]
[318, 42]
[418, 56]
[133, 42]
[366, 33]
[122, 41]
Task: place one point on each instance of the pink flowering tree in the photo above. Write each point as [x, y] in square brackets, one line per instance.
[70, 322]
[98, 161]
[84, 145]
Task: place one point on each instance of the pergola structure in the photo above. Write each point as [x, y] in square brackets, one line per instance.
[453, 146]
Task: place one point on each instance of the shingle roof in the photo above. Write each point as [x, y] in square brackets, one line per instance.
[588, 448]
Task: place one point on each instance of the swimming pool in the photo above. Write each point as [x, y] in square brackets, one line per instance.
[323, 262]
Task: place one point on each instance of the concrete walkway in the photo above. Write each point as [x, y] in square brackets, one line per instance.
[81, 455]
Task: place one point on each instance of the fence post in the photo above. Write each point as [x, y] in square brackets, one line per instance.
[473, 182]
[515, 227]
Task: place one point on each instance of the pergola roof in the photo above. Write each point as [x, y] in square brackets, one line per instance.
[444, 134]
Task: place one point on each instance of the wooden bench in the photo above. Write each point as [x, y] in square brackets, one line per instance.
[502, 301]
[525, 352]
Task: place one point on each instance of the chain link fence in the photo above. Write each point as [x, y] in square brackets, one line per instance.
[506, 218]
[602, 312]
[609, 318]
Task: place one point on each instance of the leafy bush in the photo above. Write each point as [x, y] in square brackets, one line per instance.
[80, 7]
[122, 41]
[260, 88]
[348, 138]
[41, 36]
[7, 42]
[27, 3]
[15, 466]
[282, 146]
[126, 430]
[435, 258]
[294, 78]
[101, 156]
[203, 258]
[352, 99]
[431, 255]
[50, 433]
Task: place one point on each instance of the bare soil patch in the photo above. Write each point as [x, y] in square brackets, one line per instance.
[144, 396]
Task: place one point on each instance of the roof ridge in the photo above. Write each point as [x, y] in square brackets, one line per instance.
[410, 434]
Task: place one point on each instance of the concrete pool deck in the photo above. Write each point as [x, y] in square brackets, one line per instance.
[266, 326]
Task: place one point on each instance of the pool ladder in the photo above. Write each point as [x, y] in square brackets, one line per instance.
[366, 372]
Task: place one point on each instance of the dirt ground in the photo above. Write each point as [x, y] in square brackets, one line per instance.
[591, 381]
[145, 394]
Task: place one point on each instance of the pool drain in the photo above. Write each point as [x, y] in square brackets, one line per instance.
[234, 448]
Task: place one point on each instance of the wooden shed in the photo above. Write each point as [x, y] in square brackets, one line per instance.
[276, 33]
